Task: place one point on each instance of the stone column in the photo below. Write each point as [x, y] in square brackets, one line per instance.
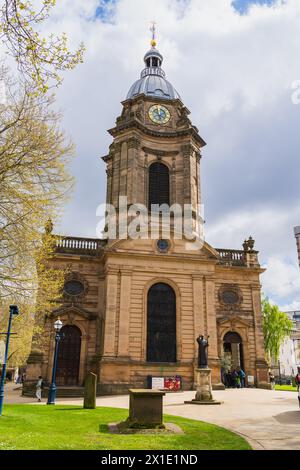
[124, 320]
[112, 279]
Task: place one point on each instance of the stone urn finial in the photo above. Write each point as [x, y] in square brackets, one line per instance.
[245, 245]
[251, 243]
[49, 227]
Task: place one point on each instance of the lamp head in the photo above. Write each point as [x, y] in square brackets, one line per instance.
[14, 310]
[58, 325]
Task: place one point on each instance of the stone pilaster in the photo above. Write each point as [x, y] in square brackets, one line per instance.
[134, 183]
[124, 320]
[187, 155]
[112, 279]
[211, 316]
[198, 301]
[261, 363]
[116, 175]
[211, 321]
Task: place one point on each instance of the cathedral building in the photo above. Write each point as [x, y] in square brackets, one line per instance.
[133, 308]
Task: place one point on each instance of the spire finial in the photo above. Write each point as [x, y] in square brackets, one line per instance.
[153, 31]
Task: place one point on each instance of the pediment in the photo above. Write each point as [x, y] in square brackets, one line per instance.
[234, 320]
[72, 309]
[177, 247]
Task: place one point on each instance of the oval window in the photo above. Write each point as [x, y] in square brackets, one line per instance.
[74, 288]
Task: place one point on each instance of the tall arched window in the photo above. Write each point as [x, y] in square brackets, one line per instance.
[161, 324]
[159, 184]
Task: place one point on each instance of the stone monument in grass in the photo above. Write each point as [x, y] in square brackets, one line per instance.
[146, 409]
[145, 415]
[90, 391]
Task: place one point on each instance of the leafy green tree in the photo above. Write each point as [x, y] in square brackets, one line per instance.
[276, 328]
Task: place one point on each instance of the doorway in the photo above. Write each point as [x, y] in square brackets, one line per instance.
[233, 349]
[69, 356]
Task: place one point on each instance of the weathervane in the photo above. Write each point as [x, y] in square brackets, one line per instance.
[153, 31]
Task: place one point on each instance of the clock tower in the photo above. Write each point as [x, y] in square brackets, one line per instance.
[155, 156]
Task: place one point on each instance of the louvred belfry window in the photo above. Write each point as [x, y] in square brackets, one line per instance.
[159, 184]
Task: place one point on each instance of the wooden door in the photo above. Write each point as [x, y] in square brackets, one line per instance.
[69, 356]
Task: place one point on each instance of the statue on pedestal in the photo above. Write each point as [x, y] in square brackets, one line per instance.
[202, 354]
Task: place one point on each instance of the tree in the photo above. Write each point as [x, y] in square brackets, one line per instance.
[39, 60]
[22, 329]
[276, 328]
[34, 183]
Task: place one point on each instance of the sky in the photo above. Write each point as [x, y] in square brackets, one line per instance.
[234, 65]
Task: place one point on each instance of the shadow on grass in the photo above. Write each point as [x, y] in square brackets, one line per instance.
[103, 428]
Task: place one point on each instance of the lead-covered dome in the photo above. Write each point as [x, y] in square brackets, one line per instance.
[153, 82]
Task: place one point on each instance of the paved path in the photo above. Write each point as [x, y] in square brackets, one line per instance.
[269, 420]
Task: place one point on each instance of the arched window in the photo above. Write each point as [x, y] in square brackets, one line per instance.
[161, 324]
[159, 184]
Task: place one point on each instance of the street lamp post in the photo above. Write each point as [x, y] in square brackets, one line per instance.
[13, 310]
[52, 390]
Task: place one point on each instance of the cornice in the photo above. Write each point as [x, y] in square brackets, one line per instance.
[161, 153]
[133, 123]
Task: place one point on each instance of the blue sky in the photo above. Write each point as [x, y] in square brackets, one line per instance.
[243, 5]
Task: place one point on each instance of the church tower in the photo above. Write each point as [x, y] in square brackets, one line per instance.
[155, 156]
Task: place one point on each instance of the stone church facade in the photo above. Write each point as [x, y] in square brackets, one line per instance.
[133, 308]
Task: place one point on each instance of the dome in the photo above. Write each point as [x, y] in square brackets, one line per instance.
[153, 85]
[153, 82]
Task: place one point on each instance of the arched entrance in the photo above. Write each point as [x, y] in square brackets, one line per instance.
[161, 324]
[233, 348]
[69, 356]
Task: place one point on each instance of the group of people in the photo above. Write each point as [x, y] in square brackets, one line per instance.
[235, 378]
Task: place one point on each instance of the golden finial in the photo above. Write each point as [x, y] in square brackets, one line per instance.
[153, 31]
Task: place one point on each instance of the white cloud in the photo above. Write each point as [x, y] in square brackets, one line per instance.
[235, 73]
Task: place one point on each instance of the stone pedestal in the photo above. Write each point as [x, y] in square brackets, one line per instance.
[146, 408]
[204, 389]
[90, 391]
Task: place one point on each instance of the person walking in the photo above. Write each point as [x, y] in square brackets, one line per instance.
[242, 377]
[39, 386]
[297, 380]
[272, 380]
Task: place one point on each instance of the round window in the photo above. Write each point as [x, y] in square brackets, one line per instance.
[74, 288]
[230, 297]
[163, 245]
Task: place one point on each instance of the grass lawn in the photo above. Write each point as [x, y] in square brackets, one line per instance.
[73, 428]
[286, 388]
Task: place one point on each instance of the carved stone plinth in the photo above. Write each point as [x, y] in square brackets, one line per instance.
[146, 408]
[204, 389]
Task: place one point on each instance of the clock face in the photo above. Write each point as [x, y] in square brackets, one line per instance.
[159, 114]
